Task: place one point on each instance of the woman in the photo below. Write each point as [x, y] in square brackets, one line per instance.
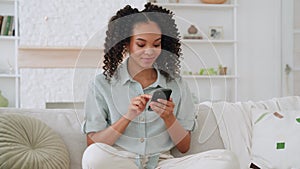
[142, 52]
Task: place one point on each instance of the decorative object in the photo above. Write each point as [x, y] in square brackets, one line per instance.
[215, 32]
[27, 142]
[3, 100]
[213, 1]
[192, 33]
[222, 70]
[208, 71]
[192, 29]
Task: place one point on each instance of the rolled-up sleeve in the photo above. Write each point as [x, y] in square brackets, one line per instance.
[186, 111]
[96, 113]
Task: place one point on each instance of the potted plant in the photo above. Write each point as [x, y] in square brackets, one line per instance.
[3, 100]
[222, 70]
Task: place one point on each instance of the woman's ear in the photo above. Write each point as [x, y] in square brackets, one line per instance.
[125, 50]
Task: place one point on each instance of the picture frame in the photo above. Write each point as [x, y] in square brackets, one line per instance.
[215, 32]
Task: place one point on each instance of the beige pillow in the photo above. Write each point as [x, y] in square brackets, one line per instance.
[28, 143]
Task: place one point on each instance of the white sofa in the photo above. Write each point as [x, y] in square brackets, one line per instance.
[212, 119]
[231, 125]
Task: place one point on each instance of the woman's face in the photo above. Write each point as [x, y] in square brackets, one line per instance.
[145, 45]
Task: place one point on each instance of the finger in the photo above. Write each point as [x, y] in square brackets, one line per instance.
[136, 102]
[138, 108]
[158, 105]
[171, 104]
[146, 96]
[169, 109]
[134, 108]
[162, 101]
[157, 109]
[167, 103]
[144, 100]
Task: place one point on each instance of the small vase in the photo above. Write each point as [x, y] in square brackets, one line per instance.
[192, 29]
[223, 71]
[3, 101]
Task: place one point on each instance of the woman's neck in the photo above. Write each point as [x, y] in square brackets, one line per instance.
[145, 77]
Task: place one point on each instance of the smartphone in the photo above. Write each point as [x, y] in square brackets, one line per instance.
[160, 94]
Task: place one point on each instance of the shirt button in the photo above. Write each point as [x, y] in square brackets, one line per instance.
[142, 140]
[142, 119]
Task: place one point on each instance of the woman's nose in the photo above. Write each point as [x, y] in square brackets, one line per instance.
[149, 51]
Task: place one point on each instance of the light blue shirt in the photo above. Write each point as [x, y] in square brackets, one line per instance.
[107, 102]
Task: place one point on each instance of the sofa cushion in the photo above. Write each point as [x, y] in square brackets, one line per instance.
[206, 135]
[26, 142]
[235, 128]
[66, 123]
[275, 139]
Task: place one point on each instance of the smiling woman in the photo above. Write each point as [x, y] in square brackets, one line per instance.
[142, 54]
[144, 49]
[152, 23]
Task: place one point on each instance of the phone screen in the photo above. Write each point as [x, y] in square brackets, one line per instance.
[160, 94]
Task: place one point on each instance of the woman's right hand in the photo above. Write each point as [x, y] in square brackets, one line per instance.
[137, 106]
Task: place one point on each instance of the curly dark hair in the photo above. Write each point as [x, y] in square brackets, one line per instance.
[120, 29]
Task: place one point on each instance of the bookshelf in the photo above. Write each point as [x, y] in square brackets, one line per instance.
[208, 52]
[9, 42]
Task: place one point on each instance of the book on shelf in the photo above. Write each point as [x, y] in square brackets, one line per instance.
[11, 27]
[7, 26]
[1, 20]
[3, 25]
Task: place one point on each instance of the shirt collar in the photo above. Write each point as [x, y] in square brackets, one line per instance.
[125, 77]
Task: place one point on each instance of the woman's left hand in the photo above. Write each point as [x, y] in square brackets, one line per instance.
[164, 108]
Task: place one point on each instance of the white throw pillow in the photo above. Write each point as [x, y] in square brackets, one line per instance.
[275, 139]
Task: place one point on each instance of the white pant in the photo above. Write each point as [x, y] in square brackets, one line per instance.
[102, 156]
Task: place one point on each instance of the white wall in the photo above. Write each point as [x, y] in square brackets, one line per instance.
[259, 53]
[73, 22]
[66, 23]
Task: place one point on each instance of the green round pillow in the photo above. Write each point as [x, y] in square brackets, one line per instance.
[28, 143]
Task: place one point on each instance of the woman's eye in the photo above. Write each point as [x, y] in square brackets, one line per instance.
[141, 45]
[158, 45]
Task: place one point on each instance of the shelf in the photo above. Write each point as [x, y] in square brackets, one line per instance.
[206, 41]
[208, 15]
[209, 77]
[7, 1]
[9, 38]
[59, 48]
[10, 80]
[296, 31]
[296, 69]
[197, 5]
[9, 76]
